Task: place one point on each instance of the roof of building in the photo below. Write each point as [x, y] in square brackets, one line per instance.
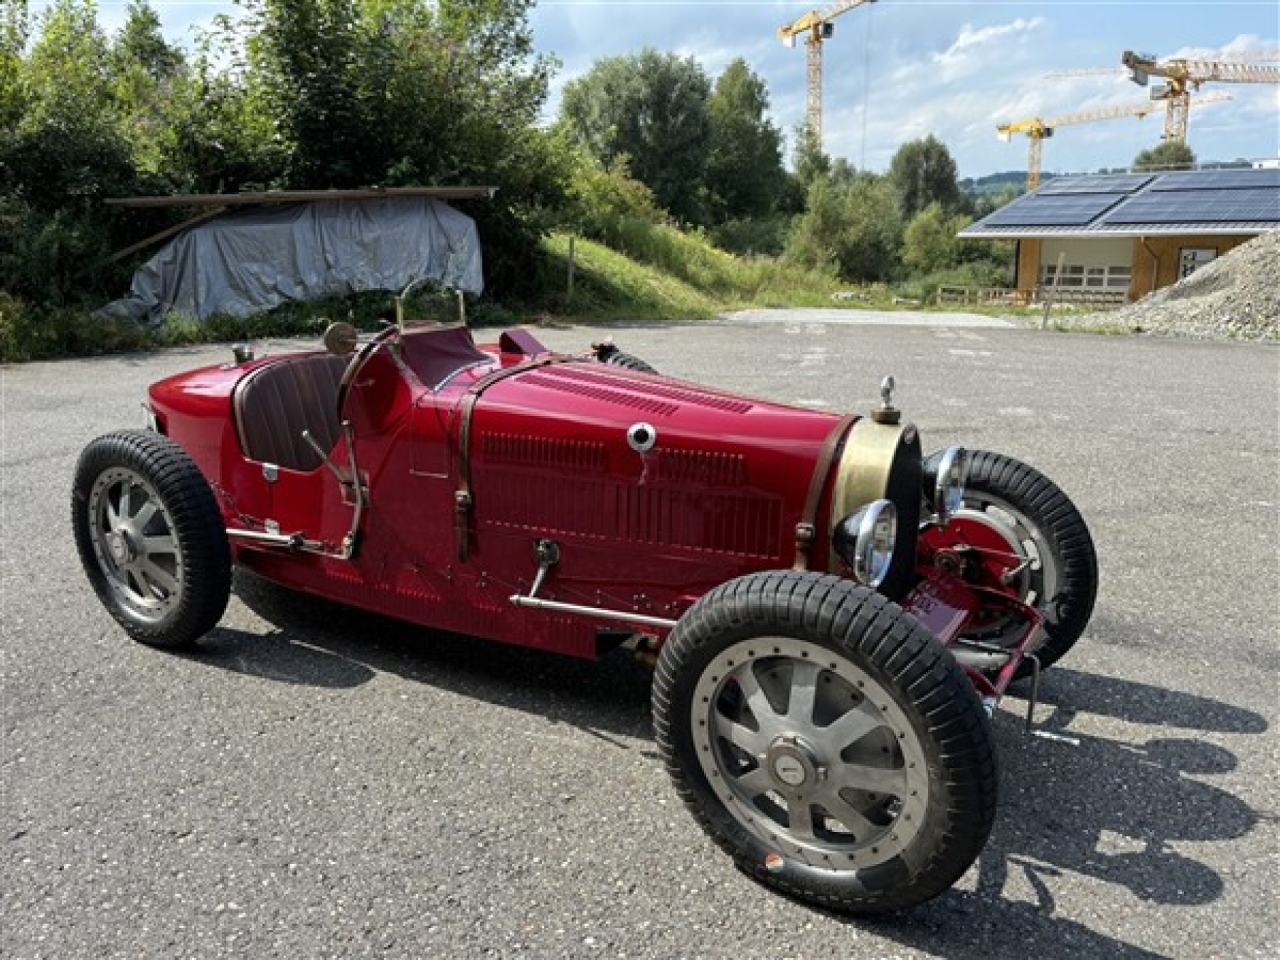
[1140, 205]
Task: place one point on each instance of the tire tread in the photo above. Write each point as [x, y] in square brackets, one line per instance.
[197, 526]
[877, 632]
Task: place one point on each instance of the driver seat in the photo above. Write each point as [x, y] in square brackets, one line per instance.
[277, 401]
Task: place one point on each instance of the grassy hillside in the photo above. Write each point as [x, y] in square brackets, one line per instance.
[659, 273]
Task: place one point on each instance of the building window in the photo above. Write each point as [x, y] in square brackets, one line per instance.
[1072, 275]
[1118, 278]
[1092, 278]
[1191, 259]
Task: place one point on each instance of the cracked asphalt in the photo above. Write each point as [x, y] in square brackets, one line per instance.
[316, 783]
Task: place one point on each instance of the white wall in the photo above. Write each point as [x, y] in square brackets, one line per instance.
[1103, 252]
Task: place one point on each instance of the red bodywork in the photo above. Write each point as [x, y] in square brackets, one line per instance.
[546, 456]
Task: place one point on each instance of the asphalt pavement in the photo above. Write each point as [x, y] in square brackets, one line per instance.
[315, 783]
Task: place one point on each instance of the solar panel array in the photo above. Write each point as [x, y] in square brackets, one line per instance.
[1219, 180]
[1102, 183]
[1069, 210]
[1200, 206]
[1218, 197]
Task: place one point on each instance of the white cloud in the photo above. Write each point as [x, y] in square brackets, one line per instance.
[1245, 46]
[972, 47]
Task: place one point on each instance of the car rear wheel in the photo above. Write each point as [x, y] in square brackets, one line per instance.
[1020, 510]
[826, 740]
[151, 538]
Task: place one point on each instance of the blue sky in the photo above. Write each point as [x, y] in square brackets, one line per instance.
[897, 70]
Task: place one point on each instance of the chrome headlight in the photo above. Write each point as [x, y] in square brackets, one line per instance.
[944, 481]
[865, 540]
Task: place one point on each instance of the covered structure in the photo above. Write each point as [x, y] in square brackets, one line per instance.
[247, 253]
[1118, 237]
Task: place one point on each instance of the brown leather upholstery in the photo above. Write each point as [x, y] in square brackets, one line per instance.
[276, 402]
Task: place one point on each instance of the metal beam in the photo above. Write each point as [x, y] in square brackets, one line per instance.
[300, 196]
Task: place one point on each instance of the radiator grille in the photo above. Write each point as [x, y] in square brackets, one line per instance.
[703, 468]
[567, 455]
[738, 523]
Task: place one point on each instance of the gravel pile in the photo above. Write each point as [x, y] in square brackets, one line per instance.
[1235, 297]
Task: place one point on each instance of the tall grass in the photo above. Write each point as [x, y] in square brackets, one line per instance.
[657, 271]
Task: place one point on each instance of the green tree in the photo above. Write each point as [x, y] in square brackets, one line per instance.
[929, 243]
[66, 148]
[653, 108]
[64, 152]
[221, 137]
[141, 44]
[992, 200]
[744, 168]
[849, 225]
[145, 74]
[407, 92]
[307, 54]
[13, 40]
[600, 201]
[810, 162]
[923, 172]
[460, 104]
[1167, 155]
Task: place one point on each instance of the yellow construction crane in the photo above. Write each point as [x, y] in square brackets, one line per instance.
[1037, 129]
[817, 27]
[1183, 76]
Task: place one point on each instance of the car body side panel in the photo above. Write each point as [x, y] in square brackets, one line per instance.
[644, 531]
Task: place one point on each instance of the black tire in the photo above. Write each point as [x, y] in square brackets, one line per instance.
[894, 740]
[151, 538]
[1042, 524]
[608, 353]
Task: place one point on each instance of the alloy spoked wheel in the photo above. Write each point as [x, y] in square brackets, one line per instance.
[825, 740]
[135, 543]
[151, 537]
[813, 755]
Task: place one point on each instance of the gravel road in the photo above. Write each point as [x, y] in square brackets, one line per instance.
[318, 784]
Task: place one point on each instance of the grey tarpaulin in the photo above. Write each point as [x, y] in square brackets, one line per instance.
[249, 260]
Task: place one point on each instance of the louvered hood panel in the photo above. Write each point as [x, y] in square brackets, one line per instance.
[551, 455]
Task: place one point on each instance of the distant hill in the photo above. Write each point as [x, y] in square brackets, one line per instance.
[995, 182]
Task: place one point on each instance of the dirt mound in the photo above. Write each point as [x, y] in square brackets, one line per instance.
[1236, 297]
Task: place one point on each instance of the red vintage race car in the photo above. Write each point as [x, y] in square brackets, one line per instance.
[833, 616]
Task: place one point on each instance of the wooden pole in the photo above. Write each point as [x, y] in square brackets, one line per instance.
[164, 234]
[568, 296]
[1053, 290]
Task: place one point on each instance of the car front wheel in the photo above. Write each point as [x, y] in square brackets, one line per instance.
[826, 740]
[151, 538]
[1016, 510]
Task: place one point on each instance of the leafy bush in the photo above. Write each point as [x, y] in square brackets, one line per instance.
[850, 225]
[600, 198]
[982, 273]
[41, 331]
[765, 236]
[929, 242]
